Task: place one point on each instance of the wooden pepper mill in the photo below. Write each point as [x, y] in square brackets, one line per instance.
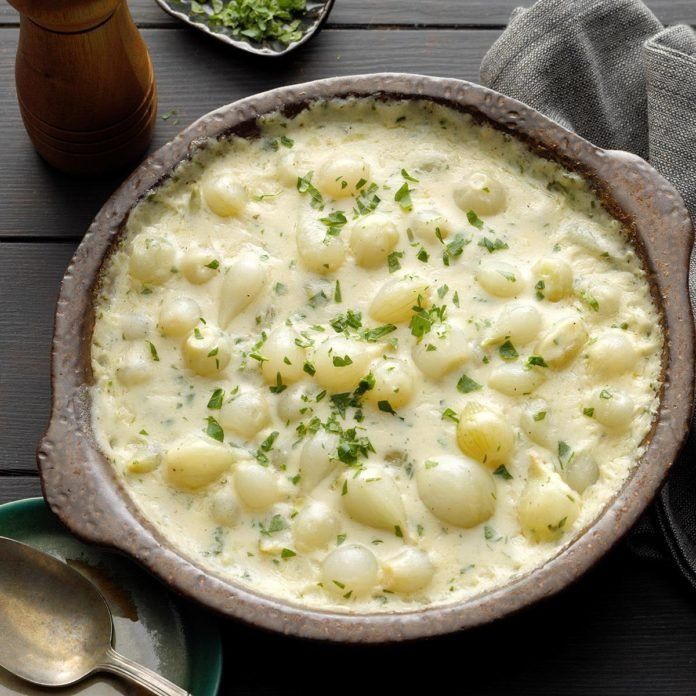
[85, 83]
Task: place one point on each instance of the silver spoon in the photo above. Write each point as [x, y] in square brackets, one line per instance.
[56, 627]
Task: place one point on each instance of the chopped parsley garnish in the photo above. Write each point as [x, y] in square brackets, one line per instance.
[372, 335]
[351, 447]
[423, 319]
[334, 222]
[279, 386]
[423, 255]
[408, 177]
[153, 351]
[403, 197]
[304, 185]
[502, 472]
[338, 297]
[214, 430]
[386, 407]
[507, 351]
[536, 360]
[493, 245]
[565, 453]
[257, 20]
[393, 260]
[280, 289]
[277, 524]
[589, 412]
[368, 199]
[214, 265]
[215, 402]
[430, 463]
[465, 385]
[604, 394]
[287, 553]
[449, 414]
[344, 361]
[474, 219]
[488, 532]
[539, 287]
[343, 322]
[309, 368]
[285, 141]
[454, 248]
[318, 300]
[539, 416]
[398, 532]
[590, 301]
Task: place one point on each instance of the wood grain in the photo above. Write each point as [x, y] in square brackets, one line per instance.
[472, 13]
[18, 487]
[29, 281]
[195, 76]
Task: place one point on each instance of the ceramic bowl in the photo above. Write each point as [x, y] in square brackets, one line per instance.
[80, 484]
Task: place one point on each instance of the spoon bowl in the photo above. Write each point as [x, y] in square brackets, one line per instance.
[56, 627]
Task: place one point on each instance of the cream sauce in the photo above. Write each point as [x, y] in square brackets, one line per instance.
[274, 404]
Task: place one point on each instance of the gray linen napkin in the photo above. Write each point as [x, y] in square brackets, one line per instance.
[610, 71]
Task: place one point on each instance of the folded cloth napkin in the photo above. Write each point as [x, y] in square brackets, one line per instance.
[610, 71]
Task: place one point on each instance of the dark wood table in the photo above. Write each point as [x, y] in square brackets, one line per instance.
[628, 627]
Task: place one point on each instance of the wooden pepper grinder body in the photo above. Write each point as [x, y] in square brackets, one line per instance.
[85, 83]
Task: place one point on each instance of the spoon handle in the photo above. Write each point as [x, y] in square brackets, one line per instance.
[132, 671]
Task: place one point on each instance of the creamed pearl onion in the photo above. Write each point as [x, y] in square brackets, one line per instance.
[395, 300]
[207, 350]
[256, 485]
[152, 258]
[339, 177]
[481, 193]
[441, 351]
[518, 323]
[283, 358]
[547, 506]
[224, 195]
[516, 379]
[456, 489]
[178, 316]
[372, 238]
[199, 265]
[246, 413]
[350, 569]
[394, 382]
[340, 362]
[315, 526]
[373, 498]
[484, 434]
[410, 570]
[613, 409]
[319, 252]
[500, 279]
[554, 278]
[613, 353]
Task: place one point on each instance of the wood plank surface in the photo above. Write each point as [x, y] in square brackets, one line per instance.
[30, 276]
[19, 487]
[472, 13]
[193, 77]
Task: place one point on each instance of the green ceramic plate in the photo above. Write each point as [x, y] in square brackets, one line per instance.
[169, 637]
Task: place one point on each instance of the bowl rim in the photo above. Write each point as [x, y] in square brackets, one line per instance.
[83, 491]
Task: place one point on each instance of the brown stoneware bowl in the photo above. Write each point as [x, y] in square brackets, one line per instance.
[83, 491]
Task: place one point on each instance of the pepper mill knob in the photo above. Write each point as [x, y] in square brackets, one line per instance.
[85, 83]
